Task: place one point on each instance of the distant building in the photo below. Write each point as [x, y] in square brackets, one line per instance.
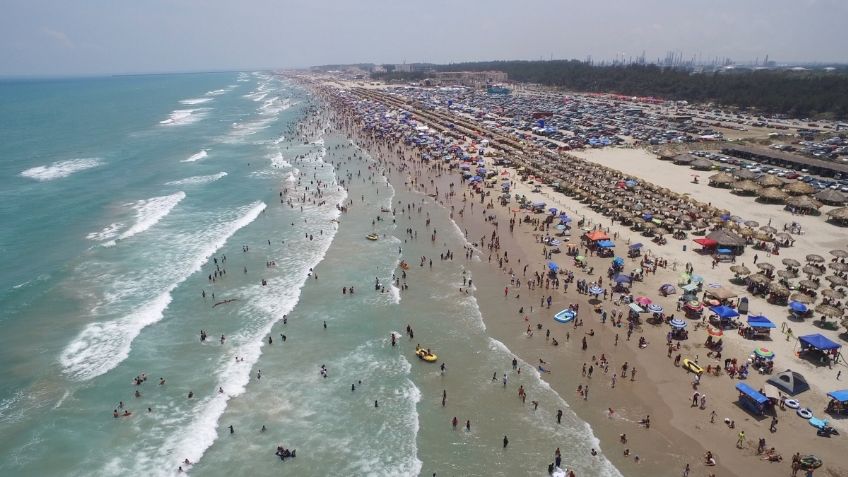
[470, 78]
[403, 68]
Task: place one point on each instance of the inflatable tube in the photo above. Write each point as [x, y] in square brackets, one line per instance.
[805, 413]
[424, 356]
[564, 316]
[372, 236]
[692, 366]
[792, 404]
[810, 462]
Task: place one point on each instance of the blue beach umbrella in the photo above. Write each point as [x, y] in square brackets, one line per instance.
[677, 323]
[596, 290]
[622, 278]
[798, 307]
[618, 261]
[553, 267]
[655, 308]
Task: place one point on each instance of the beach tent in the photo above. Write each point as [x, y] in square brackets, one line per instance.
[751, 399]
[818, 342]
[841, 395]
[596, 235]
[759, 321]
[691, 288]
[636, 246]
[724, 312]
[706, 242]
[721, 293]
[636, 308]
[790, 382]
[606, 244]
[622, 278]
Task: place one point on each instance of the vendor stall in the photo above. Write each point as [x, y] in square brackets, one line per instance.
[751, 399]
[819, 347]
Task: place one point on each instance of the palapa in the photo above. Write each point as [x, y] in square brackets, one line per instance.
[811, 270]
[746, 186]
[829, 310]
[740, 270]
[772, 194]
[701, 164]
[744, 174]
[790, 262]
[799, 188]
[839, 215]
[838, 266]
[787, 274]
[778, 288]
[833, 294]
[836, 281]
[765, 266]
[839, 253]
[832, 197]
[809, 284]
[769, 180]
[802, 298]
[759, 279]
[804, 202]
[752, 223]
[814, 258]
[722, 178]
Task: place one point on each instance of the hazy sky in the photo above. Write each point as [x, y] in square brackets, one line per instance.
[39, 37]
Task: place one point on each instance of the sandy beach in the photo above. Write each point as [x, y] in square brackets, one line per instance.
[679, 433]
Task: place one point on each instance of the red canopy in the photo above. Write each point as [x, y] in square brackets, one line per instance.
[706, 242]
[597, 235]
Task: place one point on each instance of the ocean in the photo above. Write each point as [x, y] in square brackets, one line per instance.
[139, 210]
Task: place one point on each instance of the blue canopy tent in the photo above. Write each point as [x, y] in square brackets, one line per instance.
[841, 395]
[724, 251]
[636, 246]
[553, 267]
[751, 399]
[622, 278]
[818, 341]
[760, 321]
[724, 312]
[605, 244]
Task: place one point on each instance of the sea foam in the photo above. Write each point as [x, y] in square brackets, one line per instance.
[102, 346]
[181, 117]
[196, 156]
[61, 169]
[193, 101]
[147, 213]
[197, 179]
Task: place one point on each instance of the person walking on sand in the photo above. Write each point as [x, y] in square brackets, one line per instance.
[740, 439]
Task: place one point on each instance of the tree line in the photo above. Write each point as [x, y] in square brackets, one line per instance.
[796, 93]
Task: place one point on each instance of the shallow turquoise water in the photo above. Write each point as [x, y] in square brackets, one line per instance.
[116, 195]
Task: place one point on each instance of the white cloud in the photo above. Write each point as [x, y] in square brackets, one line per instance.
[59, 37]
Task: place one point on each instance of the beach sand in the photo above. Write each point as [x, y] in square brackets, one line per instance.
[679, 433]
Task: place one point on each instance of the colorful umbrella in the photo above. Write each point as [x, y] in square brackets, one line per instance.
[596, 290]
[643, 300]
[712, 331]
[655, 308]
[764, 353]
[677, 323]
